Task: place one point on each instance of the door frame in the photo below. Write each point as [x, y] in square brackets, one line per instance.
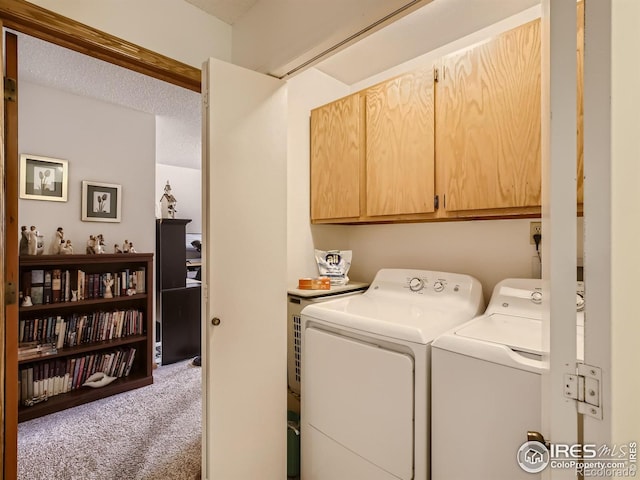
[54, 28]
[51, 27]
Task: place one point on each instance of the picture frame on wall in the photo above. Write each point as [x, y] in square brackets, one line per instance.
[101, 202]
[43, 178]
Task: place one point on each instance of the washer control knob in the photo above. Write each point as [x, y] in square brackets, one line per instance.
[438, 286]
[416, 284]
[536, 297]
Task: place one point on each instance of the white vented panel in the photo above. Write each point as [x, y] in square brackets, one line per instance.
[297, 350]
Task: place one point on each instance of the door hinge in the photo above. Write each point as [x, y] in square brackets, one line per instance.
[435, 74]
[436, 202]
[10, 297]
[10, 89]
[585, 387]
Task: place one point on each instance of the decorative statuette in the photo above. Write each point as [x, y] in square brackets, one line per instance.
[100, 248]
[108, 283]
[32, 240]
[91, 245]
[67, 248]
[58, 242]
[168, 203]
[24, 241]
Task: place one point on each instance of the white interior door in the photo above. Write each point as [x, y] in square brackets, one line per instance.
[244, 274]
[559, 232]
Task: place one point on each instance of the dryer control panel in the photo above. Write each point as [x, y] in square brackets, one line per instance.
[425, 284]
[523, 297]
[437, 285]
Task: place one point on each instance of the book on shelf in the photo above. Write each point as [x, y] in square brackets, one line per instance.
[56, 285]
[30, 383]
[30, 350]
[47, 292]
[66, 286]
[140, 280]
[80, 284]
[37, 286]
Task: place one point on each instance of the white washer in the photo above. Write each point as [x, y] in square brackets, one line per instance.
[365, 374]
[486, 385]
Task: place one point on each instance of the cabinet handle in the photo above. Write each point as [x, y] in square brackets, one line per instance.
[215, 321]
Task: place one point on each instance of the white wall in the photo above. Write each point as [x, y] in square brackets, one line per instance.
[625, 265]
[173, 28]
[102, 142]
[186, 186]
[305, 92]
[490, 250]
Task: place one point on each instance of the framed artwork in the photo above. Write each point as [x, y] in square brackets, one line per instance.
[43, 178]
[101, 202]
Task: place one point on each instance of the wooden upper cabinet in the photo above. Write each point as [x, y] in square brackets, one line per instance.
[488, 125]
[336, 150]
[400, 145]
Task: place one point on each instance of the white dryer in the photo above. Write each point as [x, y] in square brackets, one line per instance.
[486, 385]
[365, 380]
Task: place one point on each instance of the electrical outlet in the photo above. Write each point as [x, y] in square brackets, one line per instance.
[534, 227]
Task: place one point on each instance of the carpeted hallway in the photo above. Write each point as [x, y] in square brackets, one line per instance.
[150, 433]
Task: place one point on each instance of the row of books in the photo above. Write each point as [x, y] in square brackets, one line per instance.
[31, 350]
[57, 376]
[57, 285]
[78, 328]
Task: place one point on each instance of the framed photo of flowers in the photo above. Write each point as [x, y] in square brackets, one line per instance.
[43, 178]
[101, 202]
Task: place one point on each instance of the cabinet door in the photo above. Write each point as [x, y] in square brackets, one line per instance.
[336, 149]
[488, 124]
[400, 145]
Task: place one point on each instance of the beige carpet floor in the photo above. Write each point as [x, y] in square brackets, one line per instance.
[149, 433]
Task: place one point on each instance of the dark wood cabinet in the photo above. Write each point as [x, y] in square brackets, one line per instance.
[178, 305]
[181, 323]
[172, 253]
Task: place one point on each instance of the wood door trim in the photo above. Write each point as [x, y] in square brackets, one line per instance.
[11, 263]
[57, 29]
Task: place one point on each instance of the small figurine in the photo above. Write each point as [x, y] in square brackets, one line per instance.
[100, 244]
[58, 242]
[168, 203]
[24, 241]
[131, 249]
[67, 248]
[39, 243]
[108, 283]
[26, 302]
[91, 245]
[32, 240]
[74, 295]
[125, 246]
[117, 249]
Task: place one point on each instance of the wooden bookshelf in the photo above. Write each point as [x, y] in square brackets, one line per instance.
[95, 339]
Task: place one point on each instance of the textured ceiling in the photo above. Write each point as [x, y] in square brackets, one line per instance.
[178, 110]
[226, 10]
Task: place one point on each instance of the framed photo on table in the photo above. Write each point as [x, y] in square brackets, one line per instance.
[43, 178]
[101, 202]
